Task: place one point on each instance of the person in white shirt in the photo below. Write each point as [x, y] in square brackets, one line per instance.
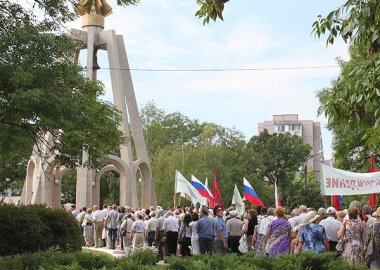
[98, 226]
[126, 231]
[300, 219]
[332, 227]
[171, 227]
[151, 227]
[137, 234]
[194, 234]
[104, 211]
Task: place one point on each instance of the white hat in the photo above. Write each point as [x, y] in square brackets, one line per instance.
[311, 216]
[233, 213]
[331, 210]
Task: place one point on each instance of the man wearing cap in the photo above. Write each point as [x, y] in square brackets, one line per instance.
[234, 227]
[221, 238]
[205, 229]
[331, 226]
[322, 212]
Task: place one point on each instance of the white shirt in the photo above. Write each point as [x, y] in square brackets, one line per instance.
[98, 216]
[194, 232]
[171, 224]
[332, 227]
[151, 224]
[138, 226]
[263, 227]
[105, 212]
[297, 220]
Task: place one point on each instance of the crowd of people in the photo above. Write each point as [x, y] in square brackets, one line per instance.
[354, 233]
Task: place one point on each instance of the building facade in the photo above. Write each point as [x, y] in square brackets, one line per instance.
[308, 130]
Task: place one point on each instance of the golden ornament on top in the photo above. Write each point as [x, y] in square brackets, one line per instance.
[101, 7]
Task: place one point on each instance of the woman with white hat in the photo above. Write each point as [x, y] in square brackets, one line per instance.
[374, 235]
[313, 236]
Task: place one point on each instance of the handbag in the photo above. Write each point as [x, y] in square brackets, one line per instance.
[243, 245]
[340, 246]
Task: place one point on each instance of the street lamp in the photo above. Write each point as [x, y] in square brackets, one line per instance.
[305, 167]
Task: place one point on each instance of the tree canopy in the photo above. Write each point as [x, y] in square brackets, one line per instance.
[176, 142]
[43, 91]
[351, 104]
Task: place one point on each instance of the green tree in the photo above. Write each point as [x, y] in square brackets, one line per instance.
[352, 113]
[353, 99]
[44, 92]
[110, 188]
[68, 187]
[176, 142]
[280, 154]
[280, 157]
[210, 9]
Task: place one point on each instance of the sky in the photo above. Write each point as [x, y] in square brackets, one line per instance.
[165, 34]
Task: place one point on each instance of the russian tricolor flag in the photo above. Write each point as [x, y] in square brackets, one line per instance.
[250, 194]
[201, 188]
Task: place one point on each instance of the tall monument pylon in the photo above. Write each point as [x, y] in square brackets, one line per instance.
[44, 177]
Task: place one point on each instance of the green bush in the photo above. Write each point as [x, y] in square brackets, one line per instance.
[34, 228]
[301, 261]
[53, 259]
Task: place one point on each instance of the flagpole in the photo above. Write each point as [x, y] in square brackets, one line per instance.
[175, 188]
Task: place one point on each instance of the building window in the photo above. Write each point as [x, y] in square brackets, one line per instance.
[281, 128]
[294, 127]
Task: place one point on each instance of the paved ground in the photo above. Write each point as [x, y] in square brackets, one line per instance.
[114, 252]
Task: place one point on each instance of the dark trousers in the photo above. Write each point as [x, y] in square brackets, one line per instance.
[160, 245]
[171, 240]
[151, 235]
[185, 247]
[112, 236]
[219, 247]
[233, 243]
[333, 245]
[205, 245]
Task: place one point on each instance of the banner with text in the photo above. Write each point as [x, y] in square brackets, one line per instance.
[339, 182]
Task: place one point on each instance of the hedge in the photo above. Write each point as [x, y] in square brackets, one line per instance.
[34, 228]
[52, 259]
[146, 260]
[248, 261]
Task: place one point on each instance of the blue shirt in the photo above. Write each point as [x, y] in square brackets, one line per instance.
[205, 227]
[220, 225]
[313, 236]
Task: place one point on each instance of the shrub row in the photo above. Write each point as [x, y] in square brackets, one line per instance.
[34, 228]
[309, 261]
[52, 259]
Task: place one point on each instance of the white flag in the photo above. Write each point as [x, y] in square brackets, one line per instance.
[185, 188]
[238, 202]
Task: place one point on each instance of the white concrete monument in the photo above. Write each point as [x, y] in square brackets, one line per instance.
[44, 176]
